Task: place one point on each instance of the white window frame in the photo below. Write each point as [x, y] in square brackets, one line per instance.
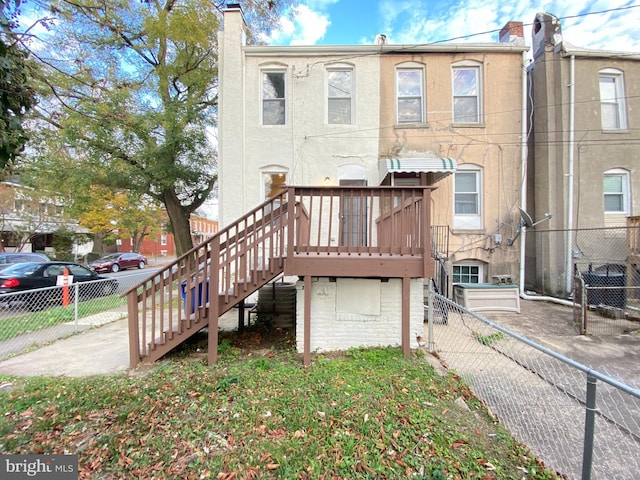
[412, 96]
[469, 221]
[476, 69]
[268, 99]
[269, 172]
[332, 97]
[470, 265]
[615, 78]
[163, 239]
[624, 192]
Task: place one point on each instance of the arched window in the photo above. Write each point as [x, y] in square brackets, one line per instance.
[410, 95]
[274, 180]
[613, 110]
[615, 187]
[340, 94]
[466, 79]
[273, 91]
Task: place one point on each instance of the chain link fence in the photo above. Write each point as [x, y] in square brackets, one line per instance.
[36, 317]
[579, 422]
[602, 277]
[605, 305]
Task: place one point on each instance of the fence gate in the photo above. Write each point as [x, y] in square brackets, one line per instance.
[606, 301]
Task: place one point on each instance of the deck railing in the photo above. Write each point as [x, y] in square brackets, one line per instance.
[300, 221]
[364, 220]
[226, 268]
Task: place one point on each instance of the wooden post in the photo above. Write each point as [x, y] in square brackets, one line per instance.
[406, 316]
[214, 300]
[307, 320]
[134, 329]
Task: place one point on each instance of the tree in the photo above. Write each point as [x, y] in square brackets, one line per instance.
[131, 91]
[16, 93]
[109, 216]
[136, 218]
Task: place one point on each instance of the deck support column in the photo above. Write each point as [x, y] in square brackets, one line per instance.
[214, 309]
[134, 332]
[307, 321]
[406, 316]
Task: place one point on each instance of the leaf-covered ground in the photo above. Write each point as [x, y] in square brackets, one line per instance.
[258, 413]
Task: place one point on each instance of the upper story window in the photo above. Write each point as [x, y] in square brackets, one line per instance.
[340, 96]
[163, 239]
[467, 88]
[616, 191]
[467, 201]
[410, 95]
[613, 110]
[274, 100]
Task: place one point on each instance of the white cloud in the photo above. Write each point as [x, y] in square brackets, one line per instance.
[313, 26]
[426, 21]
[305, 27]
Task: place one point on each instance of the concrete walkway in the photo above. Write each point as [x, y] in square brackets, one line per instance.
[102, 350]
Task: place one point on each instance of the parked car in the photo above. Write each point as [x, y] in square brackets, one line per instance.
[23, 277]
[9, 258]
[114, 262]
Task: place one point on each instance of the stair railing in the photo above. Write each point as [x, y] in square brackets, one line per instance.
[228, 267]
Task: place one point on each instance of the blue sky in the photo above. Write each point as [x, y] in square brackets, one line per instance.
[344, 22]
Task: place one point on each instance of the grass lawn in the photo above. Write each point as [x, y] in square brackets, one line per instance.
[25, 322]
[258, 413]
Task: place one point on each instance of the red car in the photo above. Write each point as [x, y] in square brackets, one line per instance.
[114, 262]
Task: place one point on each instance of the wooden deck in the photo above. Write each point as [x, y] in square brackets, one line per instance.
[365, 232]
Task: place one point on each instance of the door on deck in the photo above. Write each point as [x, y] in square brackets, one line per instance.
[353, 217]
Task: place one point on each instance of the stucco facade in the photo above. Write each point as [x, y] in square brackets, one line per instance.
[488, 144]
[585, 109]
[304, 147]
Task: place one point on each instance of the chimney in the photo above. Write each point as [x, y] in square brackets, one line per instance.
[381, 39]
[512, 32]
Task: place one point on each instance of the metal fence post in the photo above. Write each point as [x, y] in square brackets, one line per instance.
[76, 299]
[589, 427]
[430, 302]
[583, 306]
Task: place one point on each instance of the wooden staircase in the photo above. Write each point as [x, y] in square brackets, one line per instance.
[307, 232]
[174, 304]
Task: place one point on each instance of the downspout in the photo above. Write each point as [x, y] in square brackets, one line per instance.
[523, 196]
[572, 100]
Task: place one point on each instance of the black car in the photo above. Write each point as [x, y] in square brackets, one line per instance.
[22, 277]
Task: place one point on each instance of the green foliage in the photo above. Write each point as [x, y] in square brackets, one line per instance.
[135, 100]
[489, 340]
[91, 256]
[17, 96]
[63, 240]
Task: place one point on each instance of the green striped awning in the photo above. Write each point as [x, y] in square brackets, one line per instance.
[440, 166]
